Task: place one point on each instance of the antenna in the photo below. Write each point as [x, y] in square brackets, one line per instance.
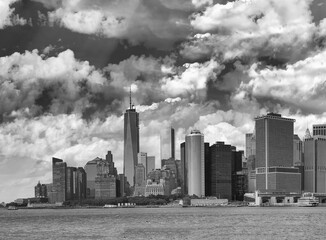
[130, 104]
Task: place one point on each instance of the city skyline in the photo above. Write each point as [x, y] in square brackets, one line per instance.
[208, 65]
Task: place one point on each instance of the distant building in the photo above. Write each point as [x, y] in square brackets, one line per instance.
[131, 143]
[142, 159]
[251, 159]
[315, 164]
[164, 176]
[179, 176]
[91, 169]
[239, 185]
[319, 130]
[297, 151]
[59, 189]
[105, 186]
[171, 165]
[154, 188]
[274, 155]
[167, 143]
[105, 183]
[71, 183]
[40, 190]
[123, 185]
[184, 168]
[150, 164]
[220, 181]
[140, 180]
[250, 144]
[81, 184]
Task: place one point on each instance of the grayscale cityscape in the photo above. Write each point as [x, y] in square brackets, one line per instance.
[162, 119]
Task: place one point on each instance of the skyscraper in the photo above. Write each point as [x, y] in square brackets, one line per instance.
[195, 159]
[142, 159]
[131, 143]
[220, 171]
[315, 164]
[59, 188]
[150, 164]
[167, 143]
[274, 155]
[319, 130]
[184, 169]
[250, 144]
[297, 151]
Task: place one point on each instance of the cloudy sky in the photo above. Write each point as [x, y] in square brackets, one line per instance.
[66, 67]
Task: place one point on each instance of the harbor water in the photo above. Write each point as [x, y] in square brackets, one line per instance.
[165, 223]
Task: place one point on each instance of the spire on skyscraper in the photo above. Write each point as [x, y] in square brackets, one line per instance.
[307, 135]
[130, 104]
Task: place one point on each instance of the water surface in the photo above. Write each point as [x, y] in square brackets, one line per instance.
[165, 223]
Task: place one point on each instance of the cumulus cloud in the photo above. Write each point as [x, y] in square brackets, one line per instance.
[7, 18]
[192, 80]
[300, 86]
[252, 28]
[158, 24]
[55, 84]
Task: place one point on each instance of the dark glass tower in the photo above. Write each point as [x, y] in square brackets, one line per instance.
[131, 143]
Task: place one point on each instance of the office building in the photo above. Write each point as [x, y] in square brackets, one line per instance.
[184, 169]
[274, 155]
[140, 180]
[98, 166]
[297, 151]
[319, 130]
[150, 164]
[81, 182]
[40, 190]
[131, 143]
[91, 171]
[315, 164]
[250, 144]
[105, 186]
[142, 159]
[167, 143]
[154, 188]
[179, 177]
[112, 169]
[59, 189]
[165, 177]
[195, 160]
[71, 183]
[220, 171]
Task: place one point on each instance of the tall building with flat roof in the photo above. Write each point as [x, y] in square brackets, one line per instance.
[184, 169]
[274, 155]
[167, 143]
[131, 143]
[40, 190]
[315, 164]
[297, 151]
[220, 170]
[142, 159]
[91, 171]
[71, 183]
[319, 130]
[59, 188]
[150, 164]
[250, 144]
[195, 159]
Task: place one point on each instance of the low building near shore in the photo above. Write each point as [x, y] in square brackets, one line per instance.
[276, 198]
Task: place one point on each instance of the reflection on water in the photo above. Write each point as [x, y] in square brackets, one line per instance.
[165, 223]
